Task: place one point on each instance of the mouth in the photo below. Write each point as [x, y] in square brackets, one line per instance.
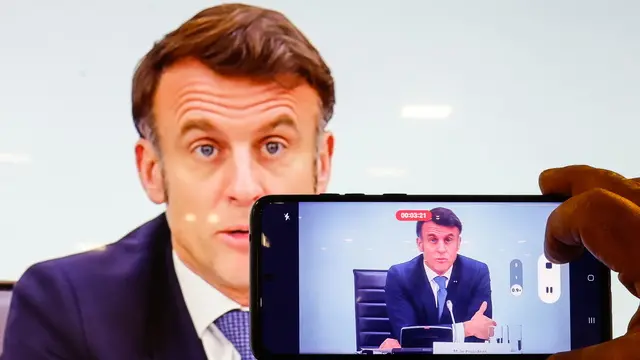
[442, 260]
[237, 237]
[237, 233]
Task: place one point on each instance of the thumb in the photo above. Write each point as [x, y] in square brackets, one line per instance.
[482, 309]
[622, 348]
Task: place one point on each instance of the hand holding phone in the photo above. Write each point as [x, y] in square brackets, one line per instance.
[602, 216]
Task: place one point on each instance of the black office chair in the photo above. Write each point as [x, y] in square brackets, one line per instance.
[5, 301]
[372, 321]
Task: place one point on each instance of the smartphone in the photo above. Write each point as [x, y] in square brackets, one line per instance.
[437, 275]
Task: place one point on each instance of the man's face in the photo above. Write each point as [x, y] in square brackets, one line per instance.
[225, 142]
[440, 245]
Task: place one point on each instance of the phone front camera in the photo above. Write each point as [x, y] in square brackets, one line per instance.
[549, 265]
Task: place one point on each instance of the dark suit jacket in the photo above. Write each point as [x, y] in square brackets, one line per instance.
[411, 301]
[121, 303]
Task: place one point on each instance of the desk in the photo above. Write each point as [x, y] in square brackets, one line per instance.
[413, 351]
[398, 351]
[450, 348]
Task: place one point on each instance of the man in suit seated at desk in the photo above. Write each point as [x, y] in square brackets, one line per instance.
[417, 291]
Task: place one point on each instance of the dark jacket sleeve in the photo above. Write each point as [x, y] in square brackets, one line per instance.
[44, 318]
[399, 308]
[481, 293]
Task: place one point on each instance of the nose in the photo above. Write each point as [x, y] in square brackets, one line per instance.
[441, 247]
[245, 187]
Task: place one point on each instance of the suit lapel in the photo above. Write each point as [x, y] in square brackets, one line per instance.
[171, 333]
[425, 293]
[452, 291]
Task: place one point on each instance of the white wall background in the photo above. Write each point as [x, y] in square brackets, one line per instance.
[530, 85]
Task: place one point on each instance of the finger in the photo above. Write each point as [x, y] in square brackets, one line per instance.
[631, 283]
[601, 221]
[482, 309]
[577, 179]
[622, 348]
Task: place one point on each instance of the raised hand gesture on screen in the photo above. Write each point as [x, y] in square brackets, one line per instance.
[602, 216]
[480, 325]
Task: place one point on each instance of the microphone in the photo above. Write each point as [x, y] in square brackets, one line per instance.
[453, 319]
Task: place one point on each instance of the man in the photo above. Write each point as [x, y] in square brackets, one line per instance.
[230, 106]
[417, 291]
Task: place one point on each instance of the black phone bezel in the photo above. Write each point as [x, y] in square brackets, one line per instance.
[603, 273]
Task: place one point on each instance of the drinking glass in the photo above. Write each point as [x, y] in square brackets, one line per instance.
[498, 334]
[515, 337]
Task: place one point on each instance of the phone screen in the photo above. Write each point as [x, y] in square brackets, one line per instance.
[400, 274]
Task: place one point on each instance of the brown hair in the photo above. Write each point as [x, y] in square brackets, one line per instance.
[232, 40]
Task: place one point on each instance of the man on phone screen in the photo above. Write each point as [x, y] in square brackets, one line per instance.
[230, 106]
[421, 290]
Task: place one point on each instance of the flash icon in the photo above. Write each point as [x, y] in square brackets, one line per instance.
[286, 217]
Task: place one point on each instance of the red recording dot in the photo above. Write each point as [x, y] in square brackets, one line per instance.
[413, 215]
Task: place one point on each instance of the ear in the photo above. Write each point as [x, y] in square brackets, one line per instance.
[323, 164]
[420, 244]
[150, 171]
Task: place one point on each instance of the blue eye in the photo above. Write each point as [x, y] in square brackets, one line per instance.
[206, 150]
[273, 147]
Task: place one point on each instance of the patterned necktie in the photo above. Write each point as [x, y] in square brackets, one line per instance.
[235, 327]
[442, 293]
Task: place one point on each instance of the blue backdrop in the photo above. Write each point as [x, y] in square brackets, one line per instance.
[336, 238]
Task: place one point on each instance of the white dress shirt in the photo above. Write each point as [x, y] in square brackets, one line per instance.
[206, 304]
[431, 275]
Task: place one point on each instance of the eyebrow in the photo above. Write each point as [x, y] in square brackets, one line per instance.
[197, 124]
[281, 121]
